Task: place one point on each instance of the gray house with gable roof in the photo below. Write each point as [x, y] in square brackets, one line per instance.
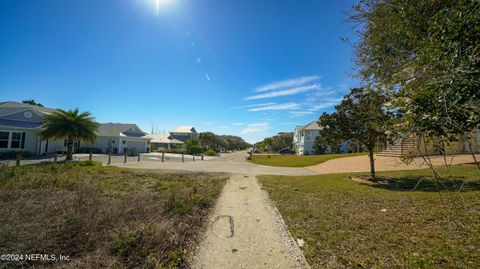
[20, 124]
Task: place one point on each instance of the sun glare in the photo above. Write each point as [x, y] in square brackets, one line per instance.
[160, 4]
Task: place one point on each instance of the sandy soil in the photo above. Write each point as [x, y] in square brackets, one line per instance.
[246, 232]
[382, 163]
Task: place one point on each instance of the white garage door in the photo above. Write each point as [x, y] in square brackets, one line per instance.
[138, 146]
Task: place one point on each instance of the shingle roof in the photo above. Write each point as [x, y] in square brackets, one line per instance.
[20, 124]
[121, 129]
[185, 129]
[162, 138]
[313, 126]
[12, 107]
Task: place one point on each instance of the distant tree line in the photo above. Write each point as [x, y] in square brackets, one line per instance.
[276, 142]
[208, 141]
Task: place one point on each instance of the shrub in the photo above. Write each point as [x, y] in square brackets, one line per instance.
[89, 149]
[13, 154]
[132, 152]
[194, 149]
[210, 152]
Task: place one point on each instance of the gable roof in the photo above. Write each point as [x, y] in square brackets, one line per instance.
[163, 138]
[10, 107]
[121, 129]
[185, 129]
[313, 126]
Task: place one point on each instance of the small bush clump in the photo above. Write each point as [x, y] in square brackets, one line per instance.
[210, 152]
[13, 154]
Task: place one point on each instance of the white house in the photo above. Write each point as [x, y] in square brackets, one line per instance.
[116, 137]
[304, 138]
[20, 124]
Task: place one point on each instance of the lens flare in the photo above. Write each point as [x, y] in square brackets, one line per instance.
[159, 4]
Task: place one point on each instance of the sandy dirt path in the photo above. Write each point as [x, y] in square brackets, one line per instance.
[245, 231]
[382, 163]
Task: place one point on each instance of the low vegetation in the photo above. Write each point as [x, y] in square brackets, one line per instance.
[406, 223]
[298, 160]
[13, 154]
[103, 217]
[210, 153]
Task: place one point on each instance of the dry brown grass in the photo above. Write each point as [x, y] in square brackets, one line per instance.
[103, 216]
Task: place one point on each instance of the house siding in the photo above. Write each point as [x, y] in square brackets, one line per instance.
[30, 140]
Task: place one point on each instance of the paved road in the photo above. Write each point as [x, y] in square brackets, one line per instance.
[233, 163]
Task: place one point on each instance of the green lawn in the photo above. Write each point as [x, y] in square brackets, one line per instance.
[298, 160]
[103, 217]
[346, 224]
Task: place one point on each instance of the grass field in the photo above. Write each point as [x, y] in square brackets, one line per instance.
[346, 224]
[103, 217]
[298, 160]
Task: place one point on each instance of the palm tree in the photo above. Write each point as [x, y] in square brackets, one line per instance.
[71, 125]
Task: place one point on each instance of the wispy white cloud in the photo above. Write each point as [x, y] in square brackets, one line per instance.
[325, 104]
[297, 114]
[255, 105]
[237, 123]
[321, 93]
[256, 128]
[285, 92]
[286, 106]
[295, 82]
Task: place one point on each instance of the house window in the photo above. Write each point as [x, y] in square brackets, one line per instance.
[4, 140]
[16, 142]
[124, 142]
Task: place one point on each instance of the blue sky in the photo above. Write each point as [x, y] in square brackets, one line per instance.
[248, 68]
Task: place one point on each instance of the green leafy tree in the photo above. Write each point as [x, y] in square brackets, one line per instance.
[235, 142]
[268, 142]
[207, 140]
[427, 55]
[360, 116]
[282, 141]
[192, 146]
[329, 137]
[32, 102]
[70, 125]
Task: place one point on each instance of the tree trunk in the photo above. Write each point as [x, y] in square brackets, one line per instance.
[372, 162]
[69, 148]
